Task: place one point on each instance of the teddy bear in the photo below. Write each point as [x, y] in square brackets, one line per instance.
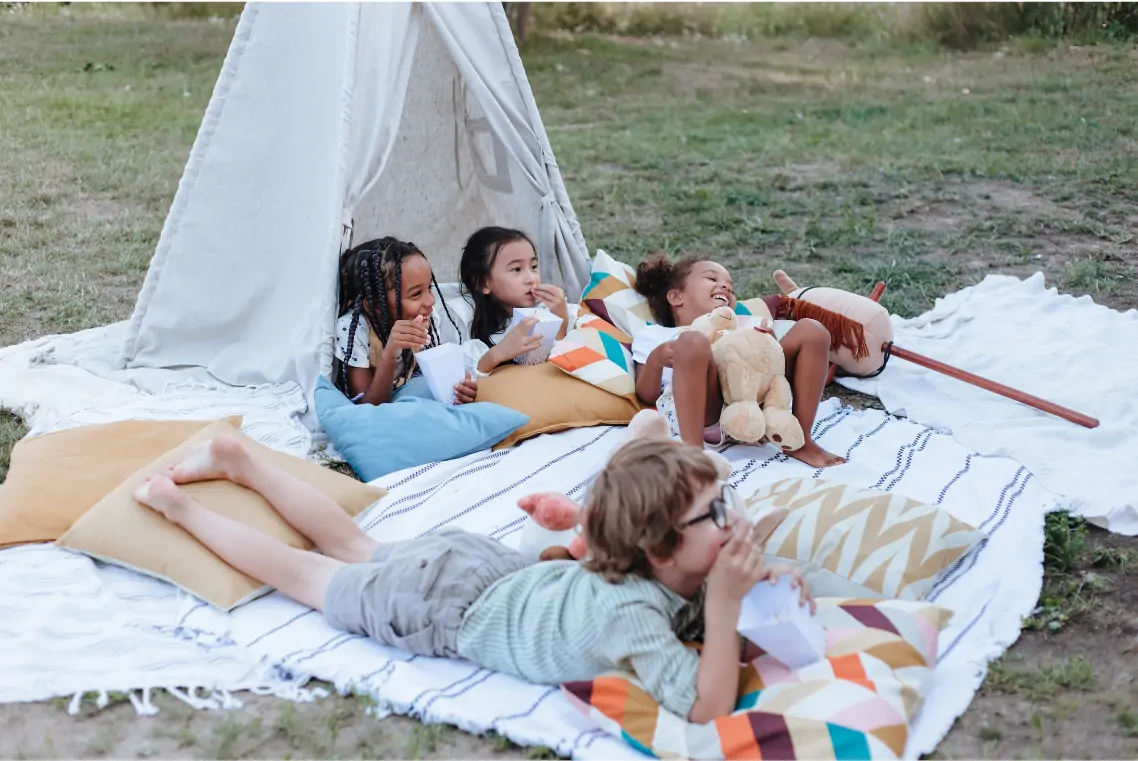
[554, 531]
[752, 376]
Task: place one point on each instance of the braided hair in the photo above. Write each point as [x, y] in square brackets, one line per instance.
[367, 273]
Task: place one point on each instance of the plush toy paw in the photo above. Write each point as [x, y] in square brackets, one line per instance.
[744, 422]
[551, 510]
[784, 430]
[647, 424]
[553, 531]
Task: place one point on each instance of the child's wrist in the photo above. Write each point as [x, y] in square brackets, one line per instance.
[721, 612]
[489, 360]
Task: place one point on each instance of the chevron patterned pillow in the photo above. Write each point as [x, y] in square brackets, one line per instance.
[856, 703]
[857, 542]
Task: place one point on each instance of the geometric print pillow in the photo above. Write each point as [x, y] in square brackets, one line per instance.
[597, 357]
[598, 349]
[855, 703]
[851, 541]
[611, 295]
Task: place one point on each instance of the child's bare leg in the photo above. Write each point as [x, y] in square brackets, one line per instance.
[303, 576]
[807, 350]
[307, 510]
[695, 386]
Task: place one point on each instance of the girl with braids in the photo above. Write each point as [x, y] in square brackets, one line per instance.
[676, 372]
[499, 273]
[385, 317]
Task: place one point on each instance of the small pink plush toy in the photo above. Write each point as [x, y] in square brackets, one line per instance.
[555, 525]
[554, 531]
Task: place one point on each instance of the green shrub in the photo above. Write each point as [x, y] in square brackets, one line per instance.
[195, 10]
[955, 25]
[967, 25]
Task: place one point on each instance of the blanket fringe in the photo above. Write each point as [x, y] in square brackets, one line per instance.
[143, 706]
[210, 699]
[844, 332]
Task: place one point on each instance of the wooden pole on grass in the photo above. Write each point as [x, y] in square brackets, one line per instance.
[963, 375]
[996, 388]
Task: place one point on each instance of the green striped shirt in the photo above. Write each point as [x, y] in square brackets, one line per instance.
[556, 622]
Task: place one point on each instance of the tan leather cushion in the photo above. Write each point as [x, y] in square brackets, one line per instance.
[851, 541]
[553, 400]
[119, 530]
[55, 478]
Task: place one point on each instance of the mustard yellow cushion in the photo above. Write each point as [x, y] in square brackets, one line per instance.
[856, 542]
[121, 531]
[55, 478]
[553, 400]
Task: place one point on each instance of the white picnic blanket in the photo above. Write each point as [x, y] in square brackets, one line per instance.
[1064, 349]
[71, 625]
[990, 590]
[87, 627]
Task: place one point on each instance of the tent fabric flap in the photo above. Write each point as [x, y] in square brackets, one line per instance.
[405, 119]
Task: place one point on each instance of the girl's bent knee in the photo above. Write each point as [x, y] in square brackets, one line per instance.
[691, 346]
[812, 332]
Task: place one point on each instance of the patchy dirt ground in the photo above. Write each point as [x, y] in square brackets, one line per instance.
[1072, 693]
[840, 164]
[264, 728]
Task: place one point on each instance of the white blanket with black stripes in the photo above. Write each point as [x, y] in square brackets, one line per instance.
[1066, 350]
[990, 590]
[72, 625]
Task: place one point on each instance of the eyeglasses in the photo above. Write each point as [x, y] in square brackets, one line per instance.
[717, 510]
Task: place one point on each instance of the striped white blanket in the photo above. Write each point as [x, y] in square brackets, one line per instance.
[990, 590]
[82, 626]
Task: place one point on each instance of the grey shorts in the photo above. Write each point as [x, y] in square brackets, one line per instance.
[413, 594]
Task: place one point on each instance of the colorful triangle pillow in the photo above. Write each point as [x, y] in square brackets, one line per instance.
[856, 703]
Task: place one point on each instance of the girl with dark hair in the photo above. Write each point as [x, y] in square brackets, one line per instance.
[499, 273]
[676, 372]
[386, 306]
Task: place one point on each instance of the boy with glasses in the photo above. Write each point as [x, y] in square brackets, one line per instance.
[662, 529]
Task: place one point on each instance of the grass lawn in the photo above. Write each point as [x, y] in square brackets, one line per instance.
[843, 165]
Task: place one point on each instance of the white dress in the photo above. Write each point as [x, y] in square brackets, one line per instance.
[646, 341]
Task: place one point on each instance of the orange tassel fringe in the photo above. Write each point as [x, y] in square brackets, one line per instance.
[843, 331]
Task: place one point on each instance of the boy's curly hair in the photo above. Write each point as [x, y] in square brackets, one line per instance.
[634, 507]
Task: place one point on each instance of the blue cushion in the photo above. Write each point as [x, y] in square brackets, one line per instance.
[409, 431]
[415, 386]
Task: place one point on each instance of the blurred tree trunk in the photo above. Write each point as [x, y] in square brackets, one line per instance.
[518, 14]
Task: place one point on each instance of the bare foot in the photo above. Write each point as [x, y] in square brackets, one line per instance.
[220, 458]
[812, 454]
[163, 496]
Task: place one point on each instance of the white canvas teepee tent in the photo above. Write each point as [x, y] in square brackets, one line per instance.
[332, 123]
